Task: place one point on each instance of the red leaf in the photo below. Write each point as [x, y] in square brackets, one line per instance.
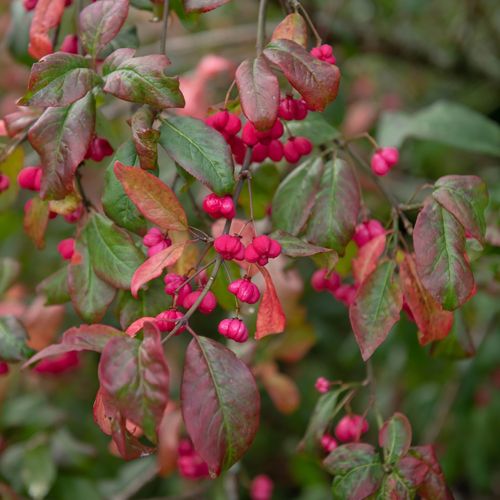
[152, 197]
[270, 316]
[104, 412]
[259, 92]
[36, 219]
[138, 325]
[20, 120]
[293, 28]
[317, 81]
[282, 389]
[413, 470]
[155, 265]
[433, 322]
[366, 261]
[168, 440]
[376, 308]
[395, 437]
[82, 338]
[48, 14]
[202, 5]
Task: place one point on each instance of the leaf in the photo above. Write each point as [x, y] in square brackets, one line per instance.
[13, 340]
[202, 5]
[127, 37]
[168, 440]
[116, 203]
[294, 246]
[316, 81]
[20, 120]
[36, 219]
[48, 14]
[135, 375]
[325, 410]
[11, 166]
[413, 470]
[220, 403]
[59, 79]
[153, 198]
[259, 92]
[336, 209]
[270, 316]
[293, 28]
[143, 80]
[145, 137]
[117, 57]
[112, 252]
[81, 338]
[395, 487]
[100, 22]
[55, 287]
[301, 186]
[61, 137]
[281, 388]
[433, 322]
[439, 242]
[90, 295]
[466, 197]
[395, 438]
[154, 266]
[366, 260]
[446, 122]
[200, 150]
[357, 469]
[38, 471]
[9, 271]
[376, 308]
[314, 127]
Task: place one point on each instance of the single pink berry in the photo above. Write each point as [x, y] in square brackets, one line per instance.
[189, 462]
[153, 237]
[238, 148]
[262, 249]
[250, 134]
[361, 235]
[260, 152]
[229, 247]
[4, 183]
[345, 294]
[350, 428]
[303, 145]
[30, 178]
[290, 152]
[277, 130]
[379, 166]
[301, 109]
[75, 216]
[167, 320]
[227, 209]
[234, 329]
[218, 120]
[286, 110]
[173, 283]
[261, 488]
[98, 148]
[66, 248]
[390, 155]
[275, 150]
[328, 443]
[4, 368]
[29, 4]
[70, 44]
[233, 125]
[375, 228]
[207, 305]
[322, 385]
[318, 280]
[159, 247]
[245, 290]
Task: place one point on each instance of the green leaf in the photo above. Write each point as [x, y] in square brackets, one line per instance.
[446, 122]
[116, 203]
[316, 81]
[61, 137]
[100, 22]
[135, 375]
[336, 208]
[302, 186]
[9, 270]
[38, 471]
[315, 128]
[394, 486]
[376, 308]
[439, 242]
[113, 254]
[466, 197]
[143, 80]
[55, 287]
[294, 246]
[395, 438]
[200, 150]
[90, 295]
[59, 79]
[13, 338]
[220, 403]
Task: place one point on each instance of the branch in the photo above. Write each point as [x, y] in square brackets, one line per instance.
[261, 27]
[163, 40]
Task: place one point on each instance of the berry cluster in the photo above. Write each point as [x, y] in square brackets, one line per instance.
[383, 160]
[189, 463]
[229, 124]
[259, 251]
[324, 280]
[367, 231]
[155, 241]
[234, 329]
[219, 206]
[324, 53]
[348, 429]
[98, 149]
[322, 385]
[292, 109]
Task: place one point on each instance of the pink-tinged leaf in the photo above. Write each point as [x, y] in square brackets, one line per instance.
[135, 375]
[134, 328]
[59, 79]
[433, 322]
[143, 80]
[282, 389]
[116, 58]
[220, 403]
[366, 261]
[413, 470]
[155, 265]
[104, 412]
[61, 137]
[152, 197]
[376, 308]
[336, 208]
[100, 22]
[168, 440]
[259, 92]
[296, 247]
[466, 197]
[36, 219]
[316, 81]
[270, 316]
[357, 469]
[145, 137]
[394, 487]
[20, 120]
[82, 338]
[293, 28]
[202, 5]
[395, 437]
[442, 264]
[48, 14]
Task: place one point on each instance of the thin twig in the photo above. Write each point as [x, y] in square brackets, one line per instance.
[10, 147]
[261, 27]
[164, 30]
